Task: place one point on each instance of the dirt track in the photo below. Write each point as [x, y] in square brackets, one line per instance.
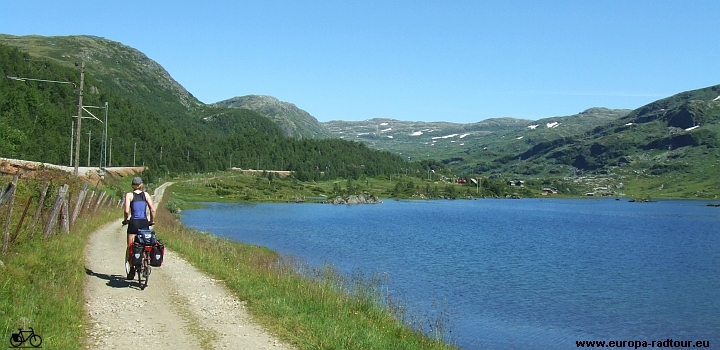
[180, 309]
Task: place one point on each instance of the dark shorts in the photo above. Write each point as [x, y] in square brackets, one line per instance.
[136, 224]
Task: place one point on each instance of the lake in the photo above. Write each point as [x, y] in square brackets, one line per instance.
[529, 273]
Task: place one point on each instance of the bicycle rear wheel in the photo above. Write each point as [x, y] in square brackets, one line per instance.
[35, 340]
[140, 272]
[129, 268]
[146, 272]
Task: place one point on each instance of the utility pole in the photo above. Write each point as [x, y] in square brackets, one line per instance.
[89, 133]
[105, 135]
[134, 149]
[103, 141]
[72, 136]
[77, 130]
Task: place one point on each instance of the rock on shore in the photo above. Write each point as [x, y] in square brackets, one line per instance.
[362, 198]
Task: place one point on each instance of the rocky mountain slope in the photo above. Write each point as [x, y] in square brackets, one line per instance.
[685, 122]
[294, 121]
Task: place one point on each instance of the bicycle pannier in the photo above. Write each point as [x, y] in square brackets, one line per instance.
[157, 255]
[137, 254]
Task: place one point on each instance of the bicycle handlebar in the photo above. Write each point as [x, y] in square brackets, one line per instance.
[125, 222]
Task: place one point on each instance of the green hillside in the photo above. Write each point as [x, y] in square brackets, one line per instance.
[670, 145]
[463, 146]
[668, 148]
[35, 124]
[124, 70]
[682, 123]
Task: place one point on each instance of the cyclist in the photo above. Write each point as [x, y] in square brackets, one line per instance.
[136, 214]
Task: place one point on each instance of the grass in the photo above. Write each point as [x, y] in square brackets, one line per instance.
[42, 278]
[698, 181]
[309, 307]
[235, 187]
[41, 284]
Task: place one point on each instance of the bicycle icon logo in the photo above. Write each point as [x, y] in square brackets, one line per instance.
[17, 339]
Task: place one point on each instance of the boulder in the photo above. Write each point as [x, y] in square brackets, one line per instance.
[362, 198]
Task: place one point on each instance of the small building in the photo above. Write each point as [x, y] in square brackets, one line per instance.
[549, 190]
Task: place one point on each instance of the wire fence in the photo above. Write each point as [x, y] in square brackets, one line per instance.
[57, 220]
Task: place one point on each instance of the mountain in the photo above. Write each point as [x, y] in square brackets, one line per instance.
[131, 74]
[673, 138]
[463, 143]
[177, 136]
[668, 148]
[417, 139]
[294, 121]
[126, 71]
[678, 124]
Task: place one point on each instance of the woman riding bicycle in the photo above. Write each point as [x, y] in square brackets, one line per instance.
[135, 211]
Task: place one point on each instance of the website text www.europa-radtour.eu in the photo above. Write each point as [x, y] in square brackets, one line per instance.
[636, 344]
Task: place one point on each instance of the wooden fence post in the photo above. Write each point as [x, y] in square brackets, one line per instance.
[79, 204]
[38, 210]
[99, 200]
[64, 219]
[22, 219]
[89, 201]
[54, 213]
[8, 191]
[10, 195]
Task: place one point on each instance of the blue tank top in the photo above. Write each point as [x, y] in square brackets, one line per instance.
[138, 206]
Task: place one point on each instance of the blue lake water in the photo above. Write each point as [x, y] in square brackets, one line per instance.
[530, 273]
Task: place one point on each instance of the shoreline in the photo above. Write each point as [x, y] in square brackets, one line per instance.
[301, 308]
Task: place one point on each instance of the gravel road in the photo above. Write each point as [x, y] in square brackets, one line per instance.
[180, 309]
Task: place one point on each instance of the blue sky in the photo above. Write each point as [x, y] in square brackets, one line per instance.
[459, 61]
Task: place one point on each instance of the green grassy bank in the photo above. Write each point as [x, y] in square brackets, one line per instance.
[232, 186]
[41, 284]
